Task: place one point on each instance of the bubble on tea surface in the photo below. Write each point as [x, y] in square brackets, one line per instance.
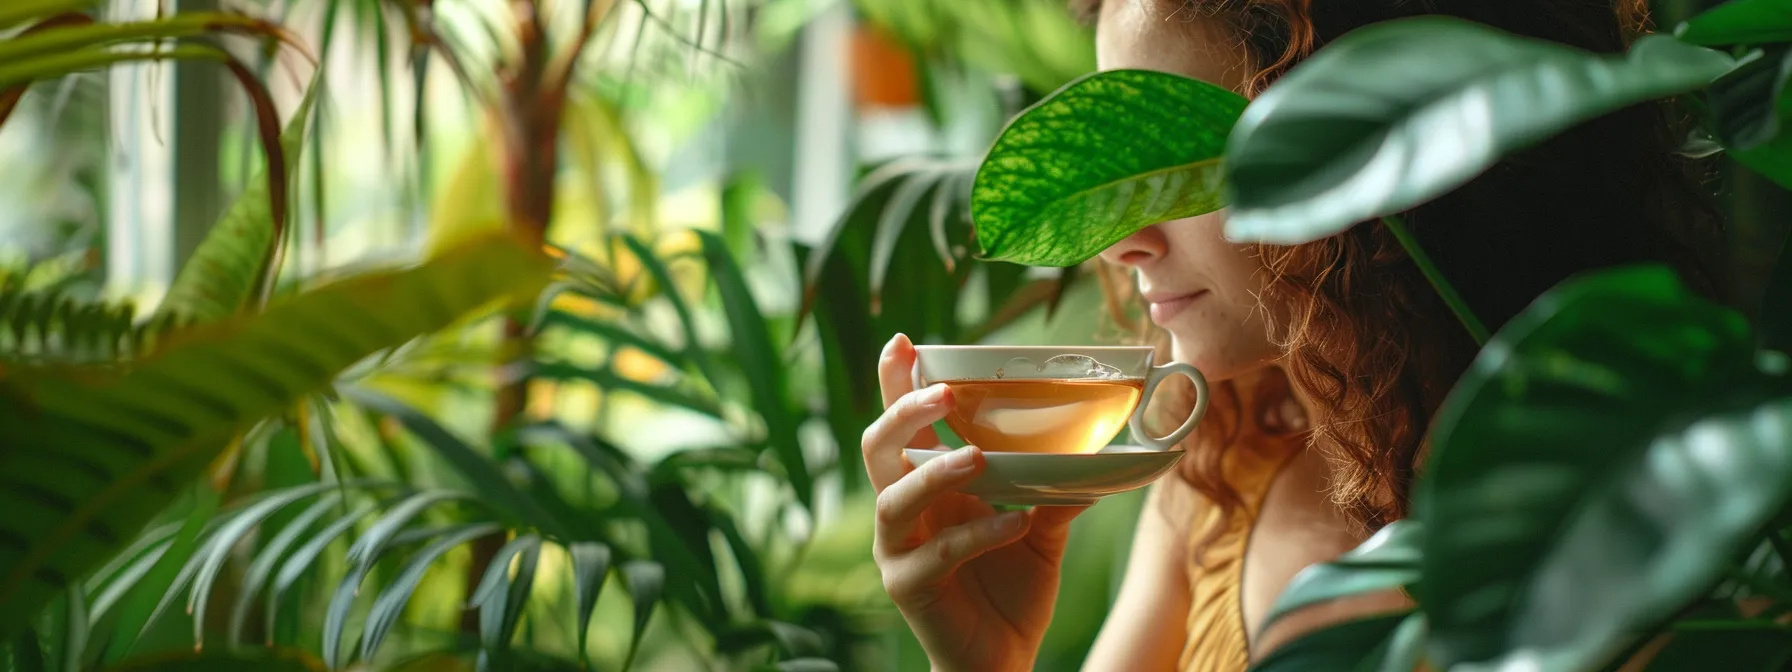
[1063, 366]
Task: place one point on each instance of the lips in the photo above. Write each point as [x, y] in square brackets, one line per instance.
[1165, 306]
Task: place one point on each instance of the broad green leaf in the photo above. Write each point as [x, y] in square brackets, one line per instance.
[1599, 458]
[1397, 113]
[302, 559]
[645, 580]
[85, 461]
[238, 255]
[1347, 646]
[392, 600]
[590, 563]
[361, 557]
[261, 568]
[1774, 319]
[217, 660]
[1389, 560]
[488, 483]
[761, 362]
[1739, 22]
[1101, 158]
[1747, 111]
[1659, 534]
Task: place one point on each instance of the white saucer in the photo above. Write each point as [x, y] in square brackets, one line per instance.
[1035, 479]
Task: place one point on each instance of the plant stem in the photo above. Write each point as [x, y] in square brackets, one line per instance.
[1448, 293]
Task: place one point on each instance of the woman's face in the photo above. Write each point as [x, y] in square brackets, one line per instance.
[1201, 289]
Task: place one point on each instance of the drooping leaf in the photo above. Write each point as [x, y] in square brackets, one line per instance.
[1352, 645]
[645, 580]
[693, 347]
[261, 568]
[497, 574]
[608, 379]
[617, 334]
[1739, 22]
[138, 609]
[392, 600]
[302, 559]
[210, 558]
[489, 485]
[1395, 114]
[235, 260]
[84, 461]
[760, 360]
[590, 563]
[1604, 456]
[501, 610]
[1389, 560]
[1104, 156]
[361, 558]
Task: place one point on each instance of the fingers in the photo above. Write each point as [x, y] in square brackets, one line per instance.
[895, 376]
[899, 507]
[1050, 529]
[898, 427]
[912, 575]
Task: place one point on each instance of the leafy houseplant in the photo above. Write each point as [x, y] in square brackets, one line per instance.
[311, 388]
[1611, 479]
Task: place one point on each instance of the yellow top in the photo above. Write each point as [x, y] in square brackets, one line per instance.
[1216, 630]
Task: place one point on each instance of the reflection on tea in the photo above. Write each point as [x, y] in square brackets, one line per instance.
[1042, 415]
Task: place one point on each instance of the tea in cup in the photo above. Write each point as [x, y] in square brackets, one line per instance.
[1048, 399]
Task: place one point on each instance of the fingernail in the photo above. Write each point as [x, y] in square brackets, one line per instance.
[938, 394]
[962, 459]
[1010, 521]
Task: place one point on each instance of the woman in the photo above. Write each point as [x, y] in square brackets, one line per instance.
[1331, 356]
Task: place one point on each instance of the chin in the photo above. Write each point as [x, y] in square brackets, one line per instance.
[1220, 356]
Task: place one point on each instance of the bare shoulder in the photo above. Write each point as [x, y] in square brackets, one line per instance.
[1298, 527]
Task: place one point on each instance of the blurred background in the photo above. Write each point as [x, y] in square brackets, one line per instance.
[829, 143]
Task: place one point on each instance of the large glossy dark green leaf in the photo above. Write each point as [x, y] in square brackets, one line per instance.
[1395, 114]
[1747, 110]
[762, 363]
[1352, 645]
[1603, 457]
[392, 600]
[1389, 560]
[238, 256]
[85, 461]
[1739, 22]
[1104, 156]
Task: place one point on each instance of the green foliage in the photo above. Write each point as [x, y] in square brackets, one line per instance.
[1739, 22]
[1103, 157]
[1389, 560]
[236, 262]
[1396, 114]
[1353, 645]
[44, 327]
[89, 459]
[1611, 399]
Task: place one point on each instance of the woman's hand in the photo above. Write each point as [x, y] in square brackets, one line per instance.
[976, 587]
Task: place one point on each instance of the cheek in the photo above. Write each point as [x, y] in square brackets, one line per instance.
[1226, 334]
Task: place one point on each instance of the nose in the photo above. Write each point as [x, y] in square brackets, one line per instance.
[1140, 248]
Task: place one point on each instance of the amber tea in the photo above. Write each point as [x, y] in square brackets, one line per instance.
[1042, 415]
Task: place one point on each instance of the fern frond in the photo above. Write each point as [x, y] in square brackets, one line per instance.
[51, 327]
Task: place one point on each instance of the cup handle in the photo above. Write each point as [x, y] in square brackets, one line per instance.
[1157, 375]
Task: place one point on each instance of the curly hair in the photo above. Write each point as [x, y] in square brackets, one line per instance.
[1366, 339]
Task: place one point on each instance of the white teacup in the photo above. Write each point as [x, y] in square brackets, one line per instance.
[1051, 399]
